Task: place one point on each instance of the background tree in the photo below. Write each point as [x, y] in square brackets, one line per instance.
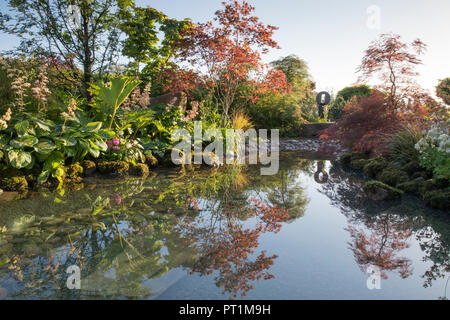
[394, 62]
[443, 90]
[344, 96]
[297, 75]
[144, 44]
[45, 27]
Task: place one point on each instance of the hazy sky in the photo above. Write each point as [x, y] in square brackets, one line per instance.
[331, 35]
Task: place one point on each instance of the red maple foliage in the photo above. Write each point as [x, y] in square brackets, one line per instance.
[229, 247]
[397, 102]
[226, 53]
[367, 120]
[394, 62]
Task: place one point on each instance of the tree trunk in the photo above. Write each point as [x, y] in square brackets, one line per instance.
[87, 60]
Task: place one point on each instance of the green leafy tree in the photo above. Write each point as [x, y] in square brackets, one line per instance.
[443, 90]
[297, 75]
[88, 37]
[344, 96]
[145, 45]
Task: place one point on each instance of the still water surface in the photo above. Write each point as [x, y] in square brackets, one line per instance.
[223, 233]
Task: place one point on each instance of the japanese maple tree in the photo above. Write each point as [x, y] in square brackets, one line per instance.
[226, 54]
[394, 62]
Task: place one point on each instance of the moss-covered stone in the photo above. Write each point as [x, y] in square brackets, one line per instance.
[151, 161]
[358, 164]
[89, 167]
[411, 167]
[167, 158]
[139, 170]
[73, 173]
[439, 199]
[347, 158]
[392, 176]
[420, 174]
[435, 184]
[114, 168]
[377, 190]
[374, 167]
[17, 183]
[410, 187]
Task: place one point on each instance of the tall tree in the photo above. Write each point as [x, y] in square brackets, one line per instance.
[443, 90]
[227, 53]
[150, 40]
[297, 75]
[83, 31]
[394, 62]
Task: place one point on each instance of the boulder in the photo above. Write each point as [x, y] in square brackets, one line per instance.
[411, 187]
[392, 176]
[139, 170]
[113, 168]
[377, 190]
[151, 161]
[439, 199]
[89, 167]
[347, 158]
[15, 183]
[374, 167]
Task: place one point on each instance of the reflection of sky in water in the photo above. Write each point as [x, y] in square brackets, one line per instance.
[314, 260]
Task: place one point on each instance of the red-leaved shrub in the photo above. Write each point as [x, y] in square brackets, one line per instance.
[367, 120]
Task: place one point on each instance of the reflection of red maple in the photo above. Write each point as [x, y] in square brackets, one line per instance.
[382, 246]
[228, 248]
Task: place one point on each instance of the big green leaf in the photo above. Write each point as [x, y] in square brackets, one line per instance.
[106, 134]
[44, 146]
[92, 127]
[22, 127]
[24, 141]
[19, 159]
[43, 176]
[99, 145]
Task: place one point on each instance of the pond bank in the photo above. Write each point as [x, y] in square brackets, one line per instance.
[390, 181]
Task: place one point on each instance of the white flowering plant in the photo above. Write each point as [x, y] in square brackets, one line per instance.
[434, 150]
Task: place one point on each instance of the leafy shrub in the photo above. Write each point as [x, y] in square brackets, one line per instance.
[277, 112]
[434, 151]
[364, 120]
[46, 145]
[367, 120]
[443, 90]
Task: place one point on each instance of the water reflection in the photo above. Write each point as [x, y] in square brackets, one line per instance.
[206, 222]
[121, 235]
[381, 231]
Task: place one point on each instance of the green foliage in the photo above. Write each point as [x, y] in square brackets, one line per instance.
[40, 143]
[297, 75]
[443, 90]
[289, 111]
[277, 112]
[343, 97]
[434, 150]
[143, 28]
[110, 96]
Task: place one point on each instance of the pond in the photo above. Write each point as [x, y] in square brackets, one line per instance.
[220, 233]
